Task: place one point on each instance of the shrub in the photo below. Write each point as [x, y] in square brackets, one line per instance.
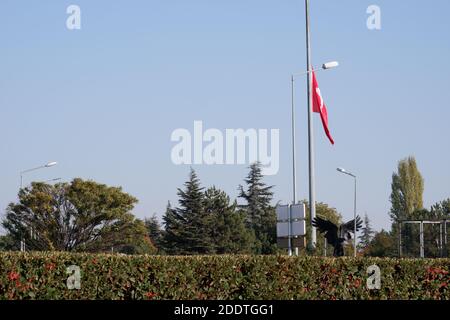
[43, 276]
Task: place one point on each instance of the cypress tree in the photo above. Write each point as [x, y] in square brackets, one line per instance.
[260, 213]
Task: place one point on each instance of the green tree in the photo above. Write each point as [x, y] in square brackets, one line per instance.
[261, 216]
[366, 233]
[407, 190]
[441, 210]
[406, 204]
[188, 226]
[7, 243]
[154, 231]
[173, 236]
[383, 244]
[228, 230]
[432, 234]
[141, 244]
[77, 216]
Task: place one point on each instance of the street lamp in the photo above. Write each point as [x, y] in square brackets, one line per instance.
[325, 66]
[342, 170]
[53, 180]
[312, 201]
[329, 65]
[48, 165]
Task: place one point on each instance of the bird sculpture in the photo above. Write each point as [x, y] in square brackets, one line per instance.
[337, 235]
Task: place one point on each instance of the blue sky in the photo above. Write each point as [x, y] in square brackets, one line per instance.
[104, 100]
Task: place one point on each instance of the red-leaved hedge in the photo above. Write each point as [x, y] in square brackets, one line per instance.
[102, 276]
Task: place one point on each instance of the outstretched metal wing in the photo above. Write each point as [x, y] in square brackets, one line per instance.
[328, 228]
[350, 226]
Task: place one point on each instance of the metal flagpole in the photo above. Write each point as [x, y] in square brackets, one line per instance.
[294, 169]
[312, 196]
[294, 165]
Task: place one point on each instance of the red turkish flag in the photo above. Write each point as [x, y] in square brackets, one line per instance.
[319, 106]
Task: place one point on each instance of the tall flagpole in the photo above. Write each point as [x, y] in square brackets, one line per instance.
[312, 195]
[294, 168]
[294, 164]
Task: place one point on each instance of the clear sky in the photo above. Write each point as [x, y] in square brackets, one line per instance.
[104, 100]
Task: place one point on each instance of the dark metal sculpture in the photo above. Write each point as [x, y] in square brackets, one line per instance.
[337, 235]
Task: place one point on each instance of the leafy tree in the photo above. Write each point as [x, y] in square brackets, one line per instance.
[139, 245]
[7, 243]
[432, 235]
[228, 230]
[77, 216]
[188, 226]
[406, 201]
[383, 244]
[366, 233]
[261, 216]
[407, 190]
[441, 210]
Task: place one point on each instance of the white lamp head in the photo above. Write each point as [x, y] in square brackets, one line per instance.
[330, 65]
[51, 164]
[341, 170]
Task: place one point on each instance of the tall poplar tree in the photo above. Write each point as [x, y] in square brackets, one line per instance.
[407, 190]
[406, 203]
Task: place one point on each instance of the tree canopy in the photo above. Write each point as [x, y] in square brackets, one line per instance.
[205, 222]
[407, 190]
[261, 216]
[76, 216]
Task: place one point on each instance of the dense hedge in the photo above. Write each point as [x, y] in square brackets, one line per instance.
[43, 276]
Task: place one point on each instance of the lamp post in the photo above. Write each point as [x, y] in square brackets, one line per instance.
[48, 165]
[312, 193]
[342, 170]
[325, 66]
[53, 180]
